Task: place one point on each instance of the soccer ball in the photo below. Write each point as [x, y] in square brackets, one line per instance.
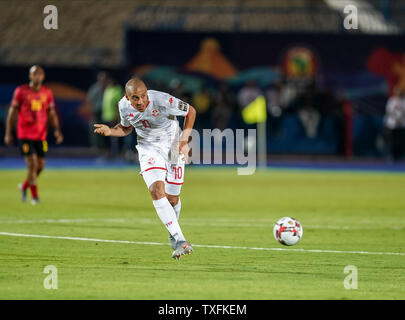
[288, 231]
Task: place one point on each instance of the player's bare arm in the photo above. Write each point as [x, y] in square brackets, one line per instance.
[118, 131]
[11, 119]
[53, 119]
[187, 127]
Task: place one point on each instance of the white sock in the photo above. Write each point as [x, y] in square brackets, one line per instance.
[177, 209]
[167, 215]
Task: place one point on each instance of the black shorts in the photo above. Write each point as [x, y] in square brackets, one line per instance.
[28, 147]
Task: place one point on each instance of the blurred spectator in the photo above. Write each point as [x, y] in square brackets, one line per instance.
[329, 103]
[177, 89]
[275, 108]
[247, 94]
[109, 115]
[347, 111]
[273, 99]
[95, 100]
[288, 93]
[308, 112]
[224, 105]
[395, 123]
[202, 101]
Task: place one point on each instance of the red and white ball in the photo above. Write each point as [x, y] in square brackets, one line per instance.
[288, 231]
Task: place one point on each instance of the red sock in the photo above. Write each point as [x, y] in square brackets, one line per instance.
[34, 191]
[25, 185]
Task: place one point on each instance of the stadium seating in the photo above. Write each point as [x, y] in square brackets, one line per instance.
[97, 36]
[245, 16]
[394, 10]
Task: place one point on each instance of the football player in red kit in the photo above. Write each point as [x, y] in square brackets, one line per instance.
[32, 105]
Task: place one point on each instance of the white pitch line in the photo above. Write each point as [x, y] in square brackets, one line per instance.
[40, 221]
[197, 245]
[77, 238]
[191, 222]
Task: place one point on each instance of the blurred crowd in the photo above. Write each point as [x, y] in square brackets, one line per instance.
[220, 105]
[394, 123]
[103, 97]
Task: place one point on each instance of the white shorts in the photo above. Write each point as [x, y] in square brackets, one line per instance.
[154, 168]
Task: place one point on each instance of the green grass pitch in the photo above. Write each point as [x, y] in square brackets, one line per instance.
[343, 214]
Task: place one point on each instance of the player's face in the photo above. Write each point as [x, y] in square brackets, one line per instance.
[138, 98]
[37, 75]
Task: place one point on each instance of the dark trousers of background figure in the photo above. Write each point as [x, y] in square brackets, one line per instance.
[97, 141]
[396, 142]
[129, 150]
[114, 144]
[114, 147]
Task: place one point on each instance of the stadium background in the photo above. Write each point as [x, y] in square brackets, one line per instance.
[95, 221]
[344, 77]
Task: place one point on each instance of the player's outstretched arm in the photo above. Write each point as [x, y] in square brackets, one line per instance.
[117, 131]
[11, 118]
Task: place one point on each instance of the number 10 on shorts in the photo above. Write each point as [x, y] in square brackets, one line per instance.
[178, 172]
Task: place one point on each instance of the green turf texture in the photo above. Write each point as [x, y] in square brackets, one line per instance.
[340, 211]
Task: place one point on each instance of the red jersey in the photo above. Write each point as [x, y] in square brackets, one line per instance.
[33, 115]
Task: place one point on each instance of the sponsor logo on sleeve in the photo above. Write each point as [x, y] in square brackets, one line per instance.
[182, 106]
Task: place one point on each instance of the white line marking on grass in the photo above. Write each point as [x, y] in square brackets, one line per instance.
[77, 238]
[197, 245]
[40, 221]
[197, 222]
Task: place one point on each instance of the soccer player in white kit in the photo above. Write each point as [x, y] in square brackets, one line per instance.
[162, 149]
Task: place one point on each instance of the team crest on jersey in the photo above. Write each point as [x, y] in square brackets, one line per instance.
[171, 100]
[155, 113]
[151, 161]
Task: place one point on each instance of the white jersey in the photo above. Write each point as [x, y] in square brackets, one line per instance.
[395, 113]
[157, 126]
